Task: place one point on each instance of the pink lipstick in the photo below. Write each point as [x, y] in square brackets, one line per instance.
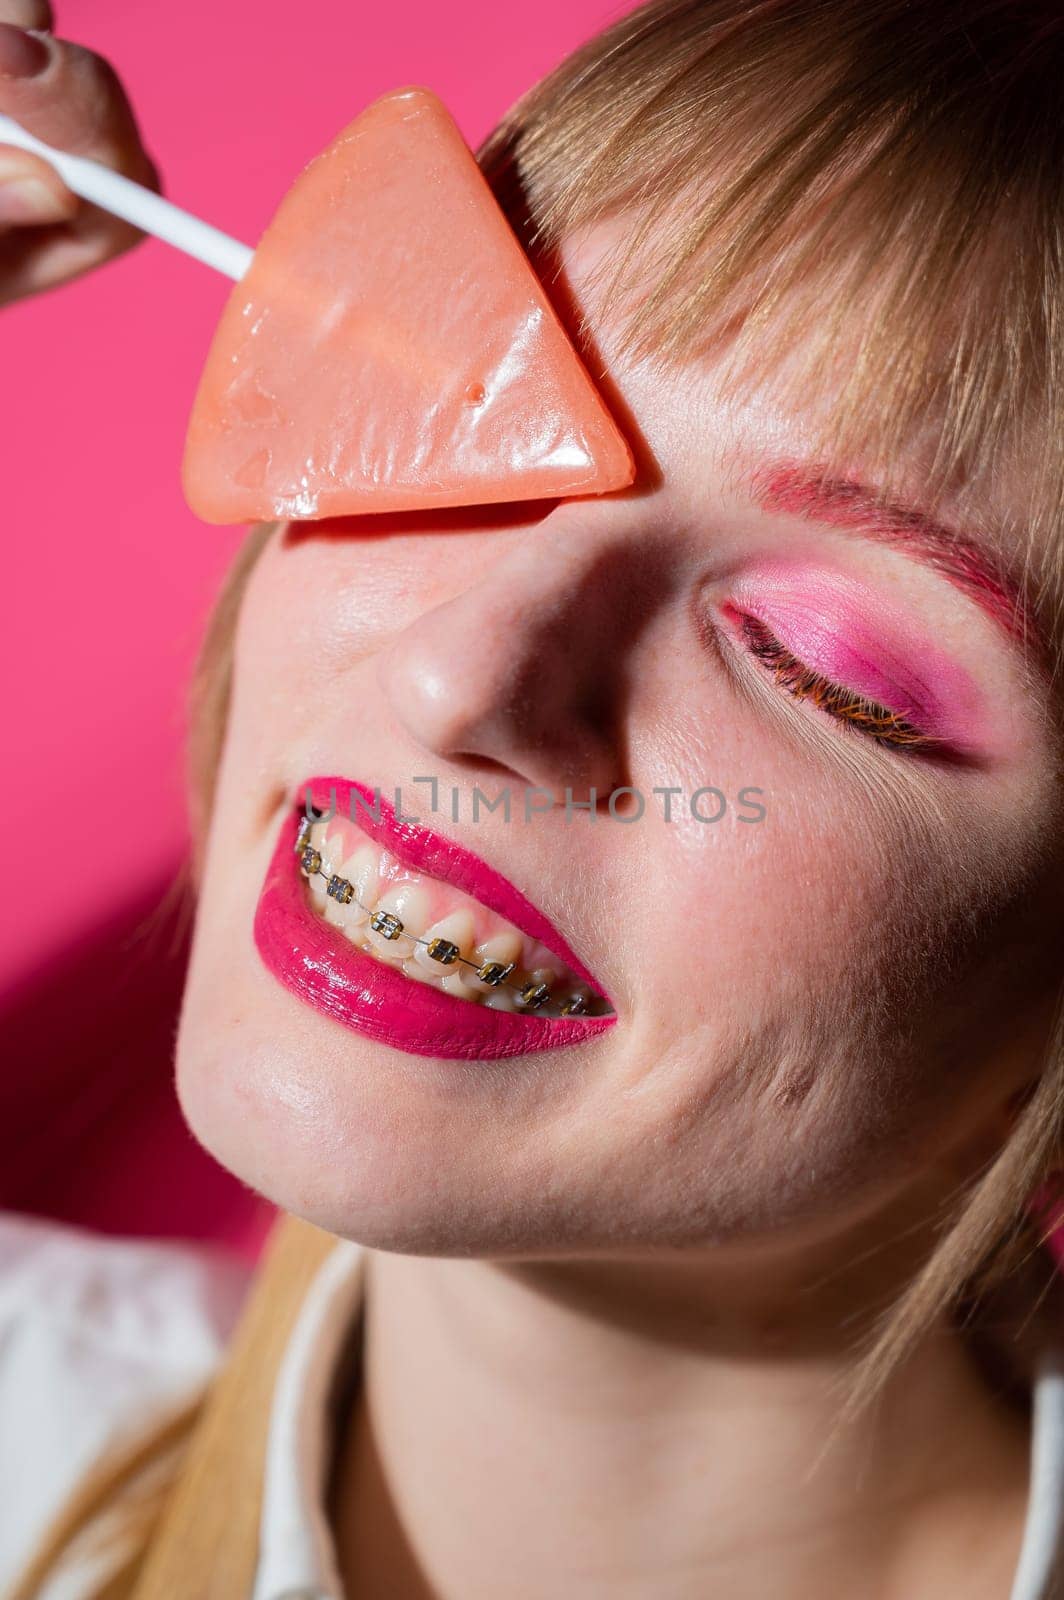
[322, 966]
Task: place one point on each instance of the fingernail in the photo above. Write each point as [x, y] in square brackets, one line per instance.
[22, 54]
[28, 200]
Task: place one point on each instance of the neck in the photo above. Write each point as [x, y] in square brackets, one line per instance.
[583, 1428]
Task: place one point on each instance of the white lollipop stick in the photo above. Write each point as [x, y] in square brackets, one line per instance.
[135, 204]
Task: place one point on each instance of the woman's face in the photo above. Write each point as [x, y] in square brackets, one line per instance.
[825, 933]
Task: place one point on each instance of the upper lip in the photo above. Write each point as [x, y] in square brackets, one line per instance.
[423, 850]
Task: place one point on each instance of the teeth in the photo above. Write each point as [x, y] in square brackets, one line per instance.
[334, 912]
[545, 965]
[457, 930]
[413, 969]
[537, 991]
[577, 1000]
[332, 849]
[454, 983]
[503, 948]
[529, 978]
[339, 901]
[410, 903]
[362, 870]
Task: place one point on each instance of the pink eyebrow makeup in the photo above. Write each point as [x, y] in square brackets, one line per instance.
[798, 489]
[845, 632]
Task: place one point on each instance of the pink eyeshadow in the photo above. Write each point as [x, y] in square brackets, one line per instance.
[849, 635]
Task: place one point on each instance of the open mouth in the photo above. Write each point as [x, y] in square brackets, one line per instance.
[406, 936]
[431, 931]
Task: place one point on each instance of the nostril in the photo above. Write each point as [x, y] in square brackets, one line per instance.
[484, 765]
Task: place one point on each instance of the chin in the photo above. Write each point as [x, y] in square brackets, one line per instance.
[319, 1124]
[397, 1150]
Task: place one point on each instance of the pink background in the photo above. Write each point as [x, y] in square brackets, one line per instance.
[109, 577]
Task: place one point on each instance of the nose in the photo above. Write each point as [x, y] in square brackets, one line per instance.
[525, 669]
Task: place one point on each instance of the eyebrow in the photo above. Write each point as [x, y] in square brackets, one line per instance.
[799, 489]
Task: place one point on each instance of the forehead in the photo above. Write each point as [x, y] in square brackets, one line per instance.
[698, 429]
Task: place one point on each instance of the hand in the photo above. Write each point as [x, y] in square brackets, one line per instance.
[72, 99]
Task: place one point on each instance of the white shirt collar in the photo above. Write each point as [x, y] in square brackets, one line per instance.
[297, 1559]
[1041, 1554]
[296, 1553]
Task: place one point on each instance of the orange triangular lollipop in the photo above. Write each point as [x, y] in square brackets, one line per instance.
[390, 347]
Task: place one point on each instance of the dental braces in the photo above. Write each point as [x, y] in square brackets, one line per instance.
[531, 996]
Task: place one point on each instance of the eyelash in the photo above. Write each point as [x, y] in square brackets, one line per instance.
[864, 716]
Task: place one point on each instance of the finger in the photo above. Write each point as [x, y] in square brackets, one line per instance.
[35, 259]
[23, 54]
[31, 192]
[26, 13]
[70, 98]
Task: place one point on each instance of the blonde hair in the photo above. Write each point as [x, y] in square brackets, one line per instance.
[800, 174]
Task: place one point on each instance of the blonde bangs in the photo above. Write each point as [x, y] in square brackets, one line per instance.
[851, 199]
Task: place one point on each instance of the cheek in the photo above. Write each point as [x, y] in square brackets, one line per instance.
[818, 996]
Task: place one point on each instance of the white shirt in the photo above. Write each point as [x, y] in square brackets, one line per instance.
[97, 1337]
[99, 1334]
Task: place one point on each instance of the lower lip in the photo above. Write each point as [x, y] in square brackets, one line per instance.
[320, 966]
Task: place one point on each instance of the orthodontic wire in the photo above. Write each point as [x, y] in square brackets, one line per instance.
[305, 849]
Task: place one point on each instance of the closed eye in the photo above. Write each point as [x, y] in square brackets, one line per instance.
[844, 705]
